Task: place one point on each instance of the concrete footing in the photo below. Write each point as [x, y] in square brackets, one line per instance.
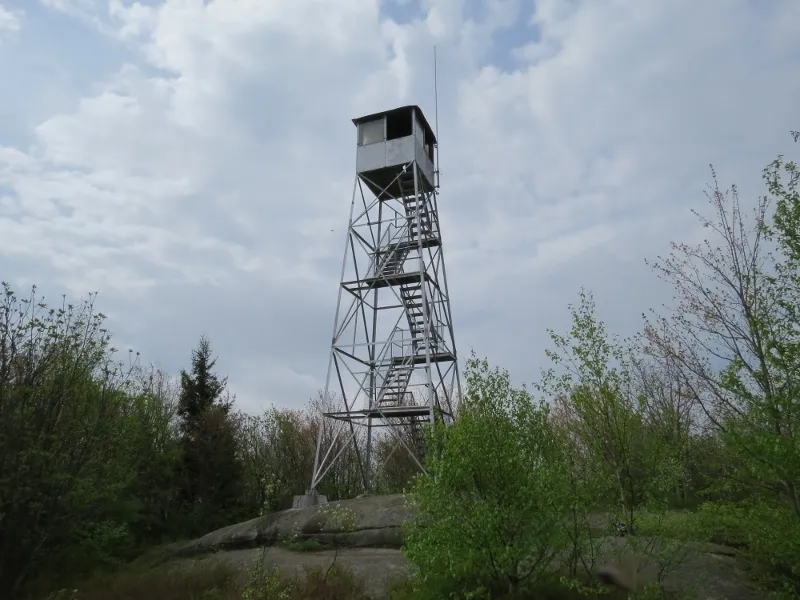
[309, 499]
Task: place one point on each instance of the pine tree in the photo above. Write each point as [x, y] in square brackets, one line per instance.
[211, 477]
[201, 389]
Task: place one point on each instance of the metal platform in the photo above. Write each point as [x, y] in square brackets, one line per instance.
[435, 357]
[387, 280]
[391, 412]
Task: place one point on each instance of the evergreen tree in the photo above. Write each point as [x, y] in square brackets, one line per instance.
[201, 389]
[211, 478]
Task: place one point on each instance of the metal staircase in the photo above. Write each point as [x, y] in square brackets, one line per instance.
[417, 436]
[412, 206]
[411, 294]
[388, 261]
[394, 391]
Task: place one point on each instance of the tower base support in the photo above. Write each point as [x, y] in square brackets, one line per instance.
[310, 498]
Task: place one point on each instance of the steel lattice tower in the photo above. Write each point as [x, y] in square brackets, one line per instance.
[393, 358]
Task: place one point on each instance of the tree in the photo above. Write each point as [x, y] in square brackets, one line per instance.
[201, 389]
[734, 334]
[155, 444]
[212, 474]
[66, 420]
[669, 415]
[489, 511]
[592, 375]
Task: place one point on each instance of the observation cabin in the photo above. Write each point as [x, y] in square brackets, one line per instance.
[390, 140]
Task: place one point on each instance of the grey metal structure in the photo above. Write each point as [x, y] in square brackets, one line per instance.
[393, 356]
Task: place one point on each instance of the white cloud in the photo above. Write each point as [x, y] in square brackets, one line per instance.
[198, 188]
[10, 22]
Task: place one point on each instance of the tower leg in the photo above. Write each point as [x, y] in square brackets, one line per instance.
[368, 469]
[310, 498]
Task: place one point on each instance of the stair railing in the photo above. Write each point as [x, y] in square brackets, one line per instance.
[387, 247]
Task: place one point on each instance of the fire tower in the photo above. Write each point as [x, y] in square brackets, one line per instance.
[393, 361]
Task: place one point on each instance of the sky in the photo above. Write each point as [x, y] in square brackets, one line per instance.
[192, 161]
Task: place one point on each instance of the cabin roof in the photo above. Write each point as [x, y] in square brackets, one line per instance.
[409, 107]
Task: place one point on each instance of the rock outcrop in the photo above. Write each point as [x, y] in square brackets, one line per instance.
[376, 535]
[377, 524]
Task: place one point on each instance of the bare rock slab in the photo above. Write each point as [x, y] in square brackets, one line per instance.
[706, 571]
[378, 523]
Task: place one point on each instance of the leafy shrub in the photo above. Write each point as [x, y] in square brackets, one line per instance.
[768, 534]
[321, 583]
[487, 515]
[199, 582]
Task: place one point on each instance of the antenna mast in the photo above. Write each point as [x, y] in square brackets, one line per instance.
[436, 116]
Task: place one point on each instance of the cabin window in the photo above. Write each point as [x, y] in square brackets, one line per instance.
[419, 130]
[371, 132]
[399, 125]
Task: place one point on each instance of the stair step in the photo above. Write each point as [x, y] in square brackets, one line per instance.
[392, 375]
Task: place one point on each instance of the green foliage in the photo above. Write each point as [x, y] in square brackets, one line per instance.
[197, 582]
[783, 415]
[266, 583]
[337, 517]
[766, 532]
[211, 478]
[277, 450]
[71, 416]
[490, 505]
[735, 339]
[737, 307]
[201, 388]
[603, 418]
[278, 457]
[331, 583]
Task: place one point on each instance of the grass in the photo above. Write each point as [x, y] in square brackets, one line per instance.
[198, 582]
[551, 588]
[205, 580]
[320, 583]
